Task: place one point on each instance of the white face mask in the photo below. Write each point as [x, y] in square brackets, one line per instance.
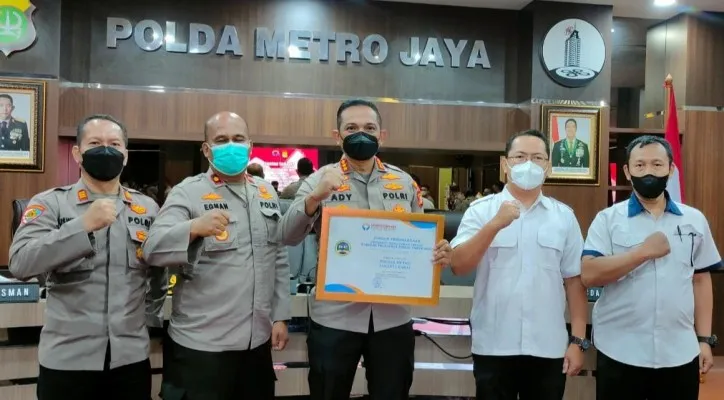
[528, 175]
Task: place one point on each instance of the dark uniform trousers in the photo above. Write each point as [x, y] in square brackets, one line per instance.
[619, 381]
[389, 361]
[228, 375]
[129, 382]
[507, 377]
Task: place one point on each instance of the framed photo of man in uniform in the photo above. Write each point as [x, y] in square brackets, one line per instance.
[22, 125]
[574, 135]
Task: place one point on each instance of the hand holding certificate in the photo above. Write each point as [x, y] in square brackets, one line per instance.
[379, 257]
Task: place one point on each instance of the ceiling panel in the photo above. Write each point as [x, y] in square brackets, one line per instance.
[621, 8]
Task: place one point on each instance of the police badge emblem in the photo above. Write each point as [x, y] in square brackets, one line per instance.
[17, 30]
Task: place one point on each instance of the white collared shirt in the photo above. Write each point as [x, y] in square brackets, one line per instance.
[519, 300]
[646, 318]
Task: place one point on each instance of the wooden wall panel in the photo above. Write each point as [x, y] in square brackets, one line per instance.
[704, 185]
[586, 201]
[291, 120]
[666, 53]
[18, 185]
[705, 57]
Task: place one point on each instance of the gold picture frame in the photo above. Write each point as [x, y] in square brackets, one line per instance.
[22, 125]
[574, 134]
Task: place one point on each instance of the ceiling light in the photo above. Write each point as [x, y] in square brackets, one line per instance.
[664, 3]
[613, 30]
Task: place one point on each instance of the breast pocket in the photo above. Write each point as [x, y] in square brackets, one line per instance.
[226, 240]
[503, 249]
[136, 237]
[271, 219]
[397, 206]
[624, 242]
[551, 245]
[684, 245]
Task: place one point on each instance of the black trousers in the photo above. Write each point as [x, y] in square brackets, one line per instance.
[619, 381]
[129, 382]
[389, 359]
[507, 377]
[229, 375]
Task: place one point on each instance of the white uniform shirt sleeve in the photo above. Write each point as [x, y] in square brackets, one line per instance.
[706, 257]
[470, 224]
[571, 260]
[598, 241]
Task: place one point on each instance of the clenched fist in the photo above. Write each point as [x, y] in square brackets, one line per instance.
[331, 181]
[655, 246]
[100, 214]
[212, 223]
[508, 212]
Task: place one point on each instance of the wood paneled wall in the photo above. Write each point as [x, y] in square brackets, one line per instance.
[18, 185]
[705, 58]
[288, 120]
[704, 185]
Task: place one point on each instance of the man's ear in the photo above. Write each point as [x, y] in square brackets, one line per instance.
[76, 154]
[625, 172]
[383, 136]
[337, 137]
[205, 150]
[125, 157]
[251, 146]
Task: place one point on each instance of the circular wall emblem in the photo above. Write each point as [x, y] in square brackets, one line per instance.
[573, 53]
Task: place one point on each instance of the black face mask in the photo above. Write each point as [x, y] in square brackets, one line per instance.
[649, 186]
[103, 163]
[360, 146]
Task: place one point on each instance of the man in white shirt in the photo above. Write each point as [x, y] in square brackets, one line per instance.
[652, 256]
[526, 249]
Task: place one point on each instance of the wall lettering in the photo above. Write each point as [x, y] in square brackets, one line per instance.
[321, 46]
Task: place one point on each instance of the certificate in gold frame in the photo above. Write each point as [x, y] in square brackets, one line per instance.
[328, 213]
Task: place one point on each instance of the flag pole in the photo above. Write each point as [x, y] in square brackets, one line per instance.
[668, 82]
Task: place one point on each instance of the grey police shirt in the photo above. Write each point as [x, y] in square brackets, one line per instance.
[233, 286]
[387, 188]
[100, 290]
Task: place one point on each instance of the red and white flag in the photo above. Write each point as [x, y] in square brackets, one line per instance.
[675, 186]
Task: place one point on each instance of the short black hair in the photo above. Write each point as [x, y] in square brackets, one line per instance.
[353, 103]
[255, 169]
[81, 126]
[305, 167]
[530, 132]
[416, 179]
[275, 183]
[454, 188]
[571, 120]
[7, 96]
[646, 140]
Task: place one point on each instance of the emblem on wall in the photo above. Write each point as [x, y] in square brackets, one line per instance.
[573, 53]
[17, 31]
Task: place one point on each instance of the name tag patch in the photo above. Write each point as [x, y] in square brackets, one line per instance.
[335, 197]
[269, 205]
[139, 221]
[395, 196]
[216, 206]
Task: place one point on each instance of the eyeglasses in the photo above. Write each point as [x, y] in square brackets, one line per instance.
[521, 158]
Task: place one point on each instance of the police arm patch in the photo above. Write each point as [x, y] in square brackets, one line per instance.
[32, 212]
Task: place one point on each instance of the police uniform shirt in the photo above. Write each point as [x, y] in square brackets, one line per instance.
[519, 299]
[386, 188]
[646, 318]
[233, 285]
[99, 289]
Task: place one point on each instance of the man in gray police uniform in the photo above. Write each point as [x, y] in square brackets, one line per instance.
[653, 257]
[86, 238]
[231, 304]
[342, 332]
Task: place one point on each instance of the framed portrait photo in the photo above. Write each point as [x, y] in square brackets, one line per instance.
[574, 135]
[22, 125]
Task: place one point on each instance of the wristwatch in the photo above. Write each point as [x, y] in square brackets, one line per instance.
[712, 340]
[583, 343]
